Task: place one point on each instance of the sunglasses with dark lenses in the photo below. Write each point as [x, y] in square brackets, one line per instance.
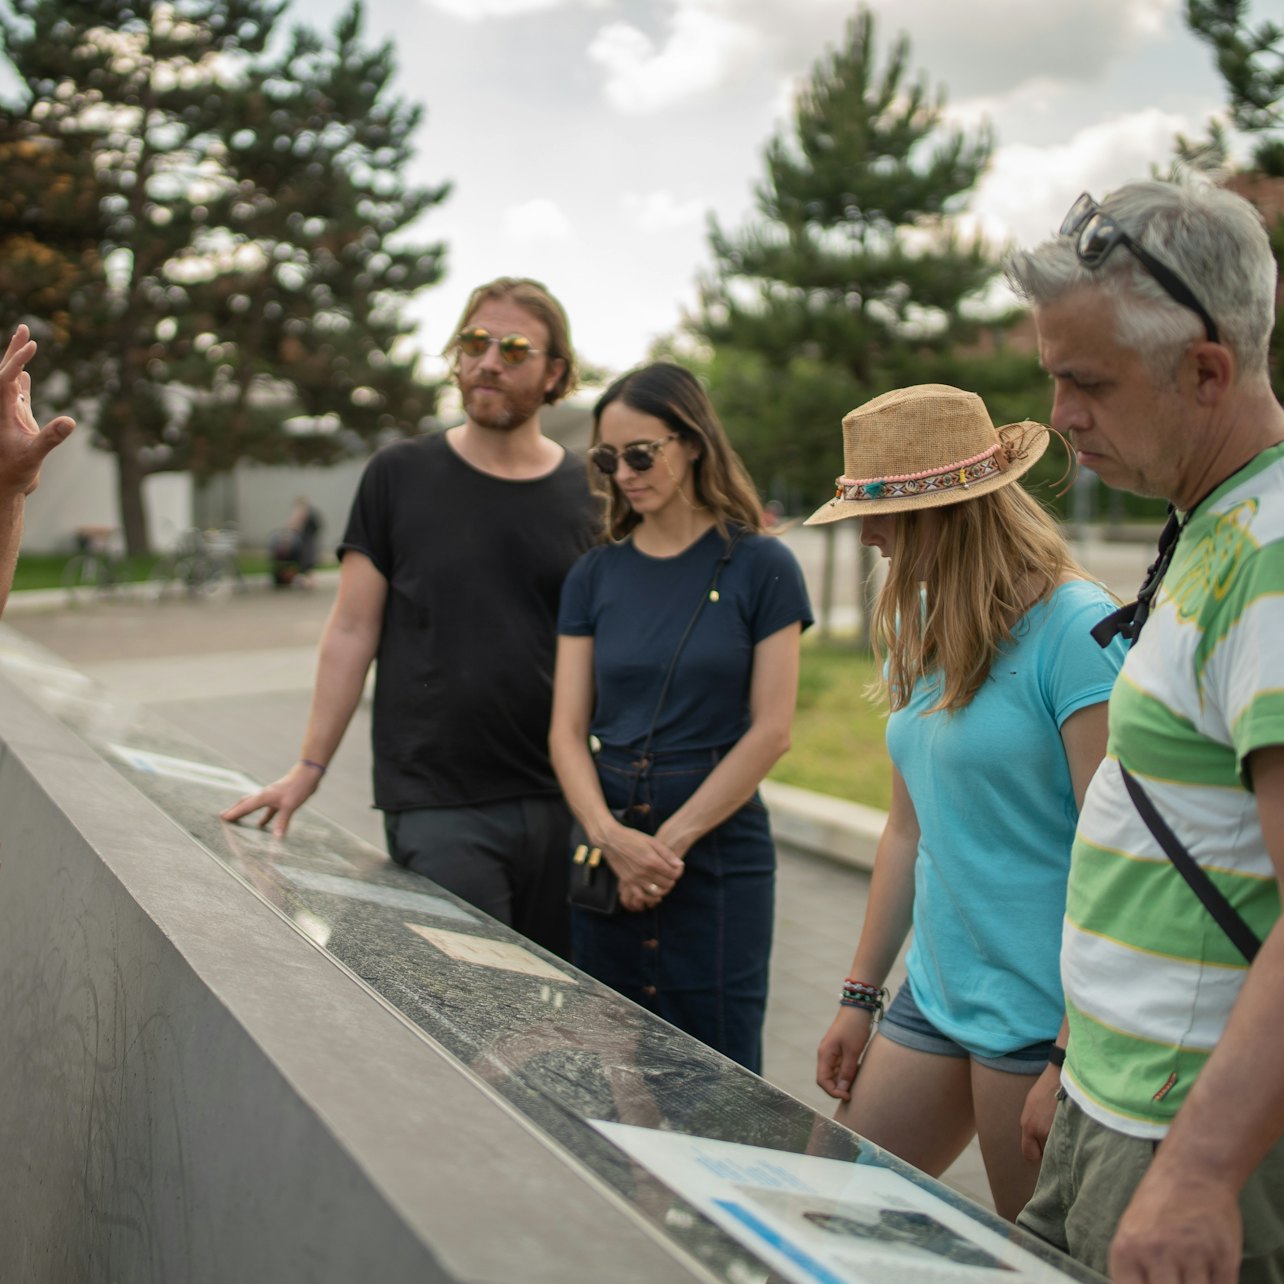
[513, 348]
[639, 455]
[1096, 235]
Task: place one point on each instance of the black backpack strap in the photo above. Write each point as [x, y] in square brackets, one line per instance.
[1227, 916]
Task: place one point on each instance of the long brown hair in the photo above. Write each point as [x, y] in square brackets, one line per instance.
[989, 560]
[672, 394]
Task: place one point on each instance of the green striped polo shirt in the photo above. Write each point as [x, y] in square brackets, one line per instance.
[1149, 977]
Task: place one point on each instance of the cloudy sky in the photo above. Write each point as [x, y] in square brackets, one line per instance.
[588, 140]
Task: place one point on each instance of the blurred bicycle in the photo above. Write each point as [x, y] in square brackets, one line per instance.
[201, 563]
[97, 566]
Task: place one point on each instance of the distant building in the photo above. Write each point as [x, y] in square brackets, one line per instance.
[78, 488]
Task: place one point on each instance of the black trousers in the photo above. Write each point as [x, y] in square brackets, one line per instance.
[507, 858]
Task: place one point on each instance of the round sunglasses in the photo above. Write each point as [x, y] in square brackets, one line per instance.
[639, 455]
[513, 348]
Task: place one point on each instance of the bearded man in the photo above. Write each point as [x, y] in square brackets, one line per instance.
[452, 564]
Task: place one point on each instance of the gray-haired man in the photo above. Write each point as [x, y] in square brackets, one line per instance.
[1164, 1162]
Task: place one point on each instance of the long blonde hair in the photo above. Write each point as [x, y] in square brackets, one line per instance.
[989, 560]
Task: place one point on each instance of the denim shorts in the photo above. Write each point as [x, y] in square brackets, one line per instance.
[905, 1024]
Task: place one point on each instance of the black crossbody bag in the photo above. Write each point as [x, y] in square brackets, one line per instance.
[595, 885]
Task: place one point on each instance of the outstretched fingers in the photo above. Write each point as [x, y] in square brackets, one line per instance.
[20, 349]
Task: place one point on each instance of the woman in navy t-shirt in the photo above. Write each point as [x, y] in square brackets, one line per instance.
[692, 938]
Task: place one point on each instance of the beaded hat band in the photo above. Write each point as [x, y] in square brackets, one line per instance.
[924, 447]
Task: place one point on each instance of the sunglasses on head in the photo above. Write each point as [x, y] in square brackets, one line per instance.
[639, 455]
[1096, 235]
[513, 348]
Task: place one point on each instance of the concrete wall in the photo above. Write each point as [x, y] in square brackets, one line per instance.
[190, 1090]
[78, 488]
[263, 497]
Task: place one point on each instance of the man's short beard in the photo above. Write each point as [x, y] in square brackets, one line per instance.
[516, 409]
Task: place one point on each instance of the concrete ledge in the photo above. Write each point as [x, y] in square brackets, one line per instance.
[191, 1090]
[833, 828]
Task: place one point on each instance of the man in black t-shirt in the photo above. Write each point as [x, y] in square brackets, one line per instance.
[452, 563]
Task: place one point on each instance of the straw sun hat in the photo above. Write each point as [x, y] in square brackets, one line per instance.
[924, 447]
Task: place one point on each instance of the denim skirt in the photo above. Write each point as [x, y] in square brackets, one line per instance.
[700, 958]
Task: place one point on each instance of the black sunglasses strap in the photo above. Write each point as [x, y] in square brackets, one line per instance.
[1227, 916]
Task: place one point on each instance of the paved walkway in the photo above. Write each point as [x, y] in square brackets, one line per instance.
[236, 672]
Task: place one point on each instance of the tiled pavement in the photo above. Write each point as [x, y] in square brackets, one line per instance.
[236, 672]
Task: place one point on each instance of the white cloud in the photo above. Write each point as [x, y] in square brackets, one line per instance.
[703, 50]
[661, 211]
[985, 47]
[1076, 41]
[1027, 189]
[1075, 92]
[537, 220]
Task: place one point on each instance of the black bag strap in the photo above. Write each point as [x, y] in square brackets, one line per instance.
[709, 595]
[1227, 916]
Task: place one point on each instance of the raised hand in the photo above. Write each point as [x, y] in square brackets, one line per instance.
[23, 443]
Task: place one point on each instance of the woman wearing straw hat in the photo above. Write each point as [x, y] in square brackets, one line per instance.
[998, 720]
[678, 650]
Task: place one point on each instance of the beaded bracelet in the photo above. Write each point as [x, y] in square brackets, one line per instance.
[857, 994]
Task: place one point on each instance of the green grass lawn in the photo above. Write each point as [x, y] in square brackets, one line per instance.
[44, 570]
[838, 731]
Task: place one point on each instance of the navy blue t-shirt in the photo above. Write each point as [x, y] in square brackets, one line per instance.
[637, 607]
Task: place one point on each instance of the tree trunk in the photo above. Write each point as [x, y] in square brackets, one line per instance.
[129, 490]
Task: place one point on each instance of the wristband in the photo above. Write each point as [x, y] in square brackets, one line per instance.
[1056, 1056]
[316, 766]
[860, 994]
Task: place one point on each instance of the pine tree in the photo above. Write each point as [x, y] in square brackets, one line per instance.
[317, 230]
[235, 209]
[51, 230]
[853, 280]
[1251, 62]
[135, 93]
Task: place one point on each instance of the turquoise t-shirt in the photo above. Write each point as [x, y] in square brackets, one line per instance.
[995, 804]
